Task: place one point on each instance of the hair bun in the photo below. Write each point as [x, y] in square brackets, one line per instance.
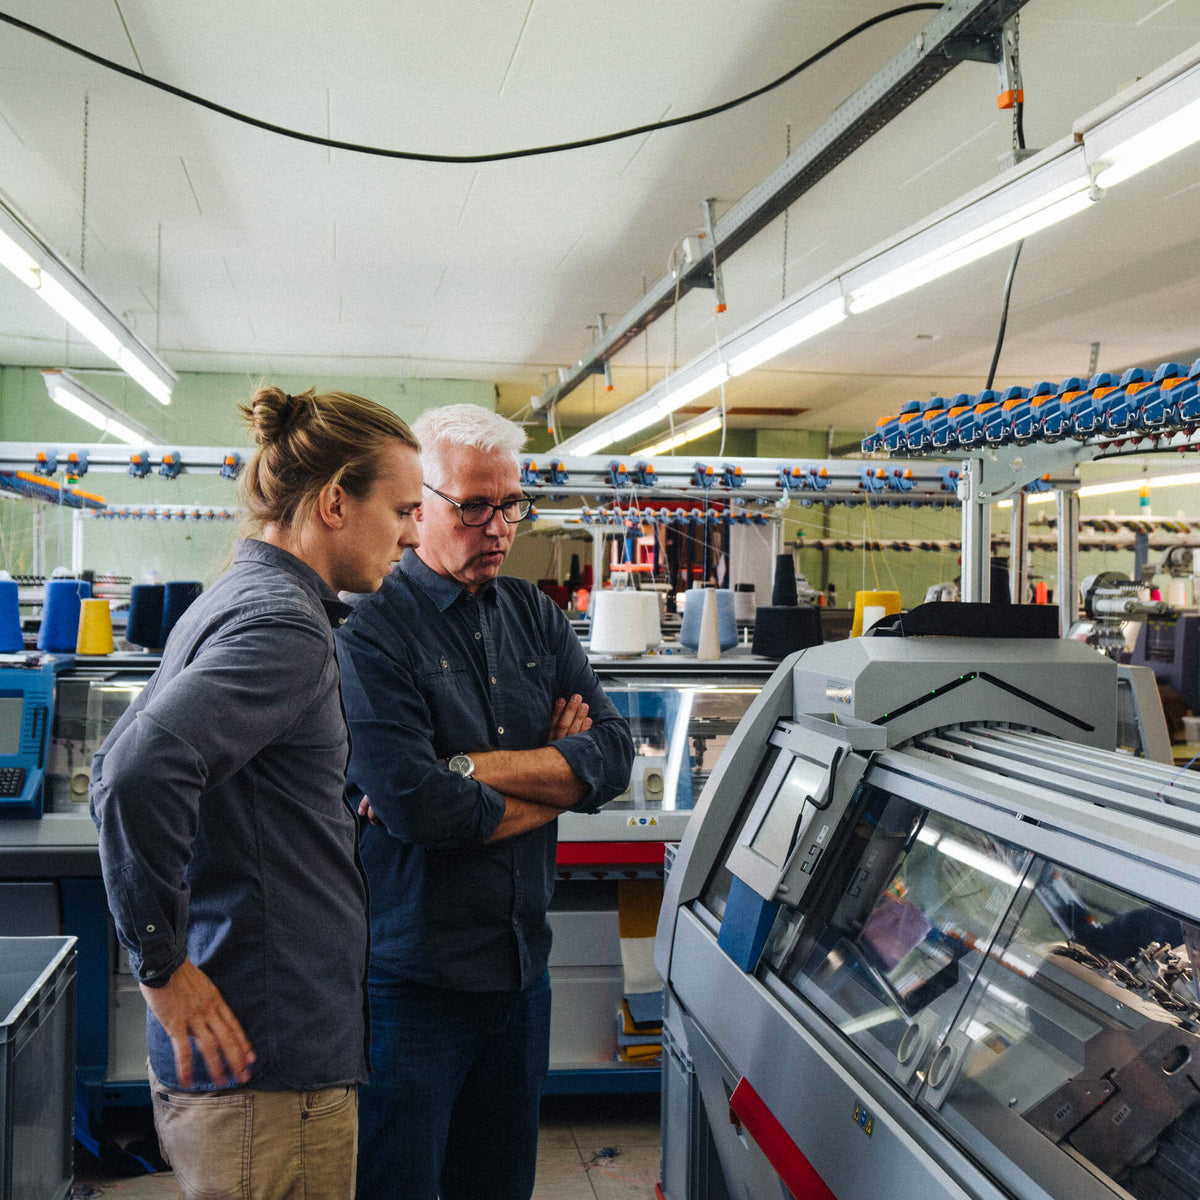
[271, 413]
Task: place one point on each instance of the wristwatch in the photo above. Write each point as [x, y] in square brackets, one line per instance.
[462, 764]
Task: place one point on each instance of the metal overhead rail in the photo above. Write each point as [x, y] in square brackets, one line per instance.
[964, 29]
[76, 460]
[739, 481]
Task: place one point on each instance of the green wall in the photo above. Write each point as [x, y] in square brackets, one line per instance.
[203, 412]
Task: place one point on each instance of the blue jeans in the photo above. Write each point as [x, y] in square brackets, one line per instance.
[456, 1083]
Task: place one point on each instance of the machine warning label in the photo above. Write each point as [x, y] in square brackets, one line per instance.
[642, 821]
[863, 1119]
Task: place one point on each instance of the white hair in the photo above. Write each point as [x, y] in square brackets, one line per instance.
[464, 425]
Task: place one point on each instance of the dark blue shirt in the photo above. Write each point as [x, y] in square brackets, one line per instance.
[225, 835]
[429, 671]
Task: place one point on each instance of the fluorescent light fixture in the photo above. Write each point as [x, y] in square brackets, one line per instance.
[707, 423]
[1135, 485]
[67, 392]
[14, 259]
[808, 326]
[1166, 137]
[1117, 487]
[1031, 498]
[680, 395]
[647, 410]
[34, 262]
[632, 424]
[591, 445]
[1144, 123]
[1037, 214]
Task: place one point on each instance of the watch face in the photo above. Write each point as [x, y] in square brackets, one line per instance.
[462, 764]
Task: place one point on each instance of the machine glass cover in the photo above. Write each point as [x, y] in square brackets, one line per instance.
[1081, 1031]
[11, 708]
[897, 933]
[678, 733]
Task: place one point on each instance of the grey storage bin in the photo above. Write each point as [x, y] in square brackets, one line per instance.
[37, 1067]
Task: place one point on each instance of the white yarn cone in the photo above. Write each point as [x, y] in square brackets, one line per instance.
[653, 629]
[709, 646]
[618, 623]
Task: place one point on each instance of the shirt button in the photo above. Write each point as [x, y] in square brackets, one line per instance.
[149, 928]
[499, 728]
[445, 662]
[493, 679]
[478, 636]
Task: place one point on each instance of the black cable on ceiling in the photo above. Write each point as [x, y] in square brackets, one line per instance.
[499, 156]
[1008, 283]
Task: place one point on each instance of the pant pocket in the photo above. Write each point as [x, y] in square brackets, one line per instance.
[327, 1101]
[329, 1142]
[206, 1140]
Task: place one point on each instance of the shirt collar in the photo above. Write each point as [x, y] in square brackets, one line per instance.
[252, 550]
[442, 591]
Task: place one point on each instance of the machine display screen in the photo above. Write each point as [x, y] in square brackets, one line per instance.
[774, 836]
[1160, 639]
[11, 708]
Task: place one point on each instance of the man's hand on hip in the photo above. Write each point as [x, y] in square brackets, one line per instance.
[188, 1006]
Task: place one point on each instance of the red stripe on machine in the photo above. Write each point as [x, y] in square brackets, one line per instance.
[782, 1153]
[581, 854]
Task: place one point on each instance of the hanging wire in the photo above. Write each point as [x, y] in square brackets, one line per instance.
[786, 212]
[499, 156]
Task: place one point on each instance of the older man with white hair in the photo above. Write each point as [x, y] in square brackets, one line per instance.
[475, 721]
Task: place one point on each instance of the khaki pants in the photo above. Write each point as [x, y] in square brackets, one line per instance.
[243, 1144]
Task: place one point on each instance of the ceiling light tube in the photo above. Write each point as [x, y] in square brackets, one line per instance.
[1144, 123]
[1168, 136]
[591, 445]
[707, 423]
[679, 395]
[634, 424]
[68, 392]
[800, 330]
[1034, 215]
[32, 260]
[14, 259]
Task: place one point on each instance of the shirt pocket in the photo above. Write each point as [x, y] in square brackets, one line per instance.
[538, 674]
[445, 685]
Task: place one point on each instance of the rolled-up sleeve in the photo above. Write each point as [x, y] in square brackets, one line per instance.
[601, 758]
[183, 736]
[413, 793]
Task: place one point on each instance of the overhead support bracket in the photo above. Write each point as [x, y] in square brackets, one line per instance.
[912, 72]
[974, 49]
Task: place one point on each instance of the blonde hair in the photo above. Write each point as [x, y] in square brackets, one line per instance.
[306, 442]
[464, 425]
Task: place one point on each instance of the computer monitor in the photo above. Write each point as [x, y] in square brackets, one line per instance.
[1170, 646]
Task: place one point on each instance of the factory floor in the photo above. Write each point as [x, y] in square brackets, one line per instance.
[590, 1148]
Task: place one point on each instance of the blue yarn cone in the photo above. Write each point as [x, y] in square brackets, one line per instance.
[176, 601]
[11, 641]
[144, 627]
[60, 614]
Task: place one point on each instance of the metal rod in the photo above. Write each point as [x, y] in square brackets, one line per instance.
[1018, 554]
[1067, 589]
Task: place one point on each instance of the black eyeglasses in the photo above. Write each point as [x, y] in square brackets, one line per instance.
[513, 511]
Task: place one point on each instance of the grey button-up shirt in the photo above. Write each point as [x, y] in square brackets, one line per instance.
[429, 670]
[225, 835]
